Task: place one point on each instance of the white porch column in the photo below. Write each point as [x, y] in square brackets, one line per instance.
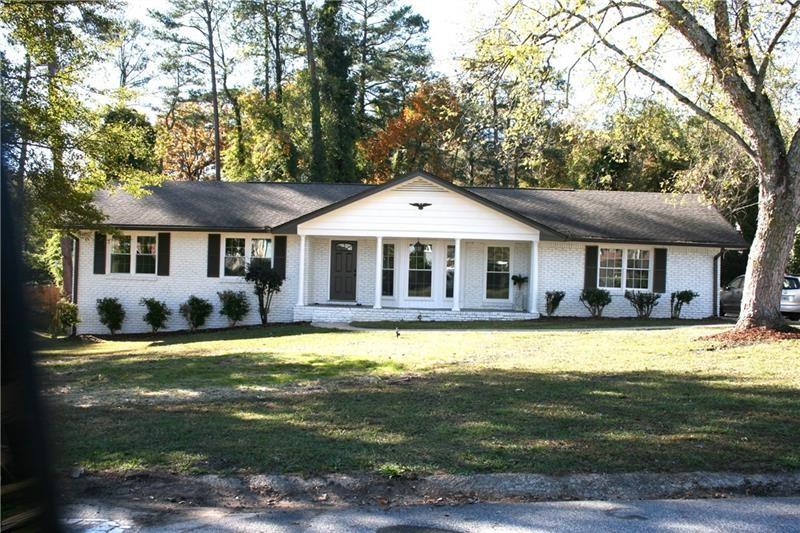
[301, 272]
[457, 277]
[378, 272]
[533, 284]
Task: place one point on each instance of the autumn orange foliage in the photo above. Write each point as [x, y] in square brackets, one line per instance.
[417, 138]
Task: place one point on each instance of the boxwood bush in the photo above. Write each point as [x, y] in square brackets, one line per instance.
[196, 310]
[111, 313]
[234, 305]
[157, 313]
[595, 300]
[643, 302]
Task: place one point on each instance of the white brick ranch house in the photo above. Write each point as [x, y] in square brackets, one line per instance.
[415, 248]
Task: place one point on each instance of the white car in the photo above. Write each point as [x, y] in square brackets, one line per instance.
[730, 297]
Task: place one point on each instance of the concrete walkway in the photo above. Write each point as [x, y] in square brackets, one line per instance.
[698, 516]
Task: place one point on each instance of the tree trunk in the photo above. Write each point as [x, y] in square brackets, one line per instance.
[23, 149]
[265, 15]
[214, 96]
[67, 246]
[317, 151]
[769, 252]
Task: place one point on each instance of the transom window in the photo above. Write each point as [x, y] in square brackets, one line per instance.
[624, 267]
[387, 281]
[450, 271]
[261, 250]
[234, 256]
[121, 254]
[498, 272]
[145, 254]
[420, 264]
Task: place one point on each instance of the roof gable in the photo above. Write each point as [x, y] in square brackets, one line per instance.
[422, 183]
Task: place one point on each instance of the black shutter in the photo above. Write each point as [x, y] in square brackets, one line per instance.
[660, 270]
[213, 255]
[590, 268]
[99, 253]
[163, 254]
[280, 255]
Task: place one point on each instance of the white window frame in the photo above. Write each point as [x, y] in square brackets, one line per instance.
[486, 271]
[394, 269]
[625, 248]
[407, 260]
[248, 252]
[134, 235]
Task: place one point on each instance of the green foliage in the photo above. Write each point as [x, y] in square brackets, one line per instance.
[196, 310]
[337, 92]
[65, 317]
[266, 282]
[157, 313]
[643, 302]
[111, 313]
[235, 305]
[678, 299]
[595, 300]
[552, 301]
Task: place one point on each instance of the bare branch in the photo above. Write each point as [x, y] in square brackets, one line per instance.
[762, 70]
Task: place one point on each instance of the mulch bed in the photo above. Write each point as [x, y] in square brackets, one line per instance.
[753, 335]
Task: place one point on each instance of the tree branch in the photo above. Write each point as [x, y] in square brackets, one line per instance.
[762, 70]
[668, 87]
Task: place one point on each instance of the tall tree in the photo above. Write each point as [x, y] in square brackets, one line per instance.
[740, 45]
[186, 146]
[132, 58]
[318, 167]
[390, 58]
[192, 26]
[338, 93]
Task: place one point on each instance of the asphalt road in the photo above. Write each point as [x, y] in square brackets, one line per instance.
[696, 516]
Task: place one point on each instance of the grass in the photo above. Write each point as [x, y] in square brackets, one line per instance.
[549, 401]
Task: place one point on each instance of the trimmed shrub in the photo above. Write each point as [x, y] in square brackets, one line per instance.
[553, 300]
[234, 305]
[65, 317]
[643, 302]
[677, 300]
[267, 281]
[196, 310]
[595, 300]
[111, 313]
[157, 313]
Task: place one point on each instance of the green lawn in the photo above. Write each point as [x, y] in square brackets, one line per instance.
[299, 399]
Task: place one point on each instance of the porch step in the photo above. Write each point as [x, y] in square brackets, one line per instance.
[346, 314]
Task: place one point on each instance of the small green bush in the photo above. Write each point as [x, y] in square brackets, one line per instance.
[65, 317]
[157, 313]
[643, 302]
[553, 300]
[111, 313]
[677, 300]
[234, 305]
[595, 300]
[196, 310]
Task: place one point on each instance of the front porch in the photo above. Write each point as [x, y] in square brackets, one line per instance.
[356, 313]
[365, 278]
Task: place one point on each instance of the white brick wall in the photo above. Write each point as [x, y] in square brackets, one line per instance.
[561, 268]
[562, 264]
[188, 257]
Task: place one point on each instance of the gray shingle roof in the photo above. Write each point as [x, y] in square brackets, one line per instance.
[577, 215]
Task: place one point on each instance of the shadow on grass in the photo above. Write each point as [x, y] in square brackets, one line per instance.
[493, 421]
[197, 371]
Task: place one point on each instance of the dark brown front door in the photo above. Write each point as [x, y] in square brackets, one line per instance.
[343, 270]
